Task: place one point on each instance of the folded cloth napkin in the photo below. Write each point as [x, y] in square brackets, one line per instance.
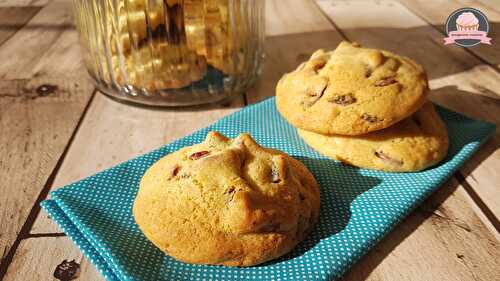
[358, 206]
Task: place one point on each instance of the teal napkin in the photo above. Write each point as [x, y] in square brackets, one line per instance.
[358, 206]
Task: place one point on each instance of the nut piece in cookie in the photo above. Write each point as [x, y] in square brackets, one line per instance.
[227, 201]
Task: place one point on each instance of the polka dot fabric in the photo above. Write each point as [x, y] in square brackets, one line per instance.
[358, 206]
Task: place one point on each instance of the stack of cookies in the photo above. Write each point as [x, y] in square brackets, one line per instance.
[364, 107]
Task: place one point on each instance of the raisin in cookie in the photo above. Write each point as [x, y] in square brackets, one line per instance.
[413, 144]
[227, 201]
[351, 91]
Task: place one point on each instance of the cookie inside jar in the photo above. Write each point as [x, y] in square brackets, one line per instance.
[186, 46]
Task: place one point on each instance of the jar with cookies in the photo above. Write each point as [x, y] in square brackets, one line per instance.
[171, 52]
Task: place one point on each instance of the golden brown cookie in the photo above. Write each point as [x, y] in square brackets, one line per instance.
[351, 91]
[413, 144]
[227, 201]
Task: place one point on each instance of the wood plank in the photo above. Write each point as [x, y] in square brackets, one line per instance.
[436, 13]
[39, 125]
[442, 240]
[23, 3]
[280, 19]
[28, 264]
[47, 45]
[491, 4]
[39, 111]
[14, 18]
[464, 92]
[458, 79]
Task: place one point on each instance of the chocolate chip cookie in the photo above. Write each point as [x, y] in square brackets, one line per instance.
[417, 142]
[227, 201]
[351, 91]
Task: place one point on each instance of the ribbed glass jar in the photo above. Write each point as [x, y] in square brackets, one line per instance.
[172, 52]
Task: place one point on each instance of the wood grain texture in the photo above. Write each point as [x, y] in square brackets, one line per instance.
[465, 93]
[36, 138]
[13, 19]
[436, 13]
[459, 80]
[39, 111]
[46, 45]
[491, 4]
[443, 239]
[37, 258]
[23, 3]
[281, 19]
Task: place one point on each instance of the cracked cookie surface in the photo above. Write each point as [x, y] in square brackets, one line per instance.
[415, 143]
[351, 91]
[227, 201]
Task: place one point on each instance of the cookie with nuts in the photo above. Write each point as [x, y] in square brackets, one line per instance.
[227, 201]
[415, 143]
[351, 91]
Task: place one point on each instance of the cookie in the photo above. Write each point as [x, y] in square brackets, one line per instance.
[227, 202]
[417, 142]
[351, 91]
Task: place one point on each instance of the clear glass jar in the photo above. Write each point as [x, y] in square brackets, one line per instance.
[172, 52]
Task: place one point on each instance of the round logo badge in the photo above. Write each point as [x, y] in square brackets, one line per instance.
[467, 27]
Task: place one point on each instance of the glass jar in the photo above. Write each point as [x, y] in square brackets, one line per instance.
[171, 52]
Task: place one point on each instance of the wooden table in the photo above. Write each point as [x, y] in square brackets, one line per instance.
[55, 128]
